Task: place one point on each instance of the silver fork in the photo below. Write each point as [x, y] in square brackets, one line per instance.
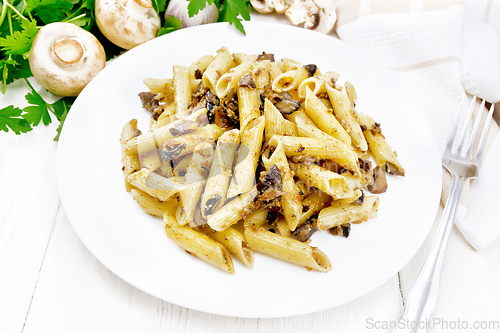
[462, 164]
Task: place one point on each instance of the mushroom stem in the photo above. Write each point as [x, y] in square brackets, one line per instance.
[68, 50]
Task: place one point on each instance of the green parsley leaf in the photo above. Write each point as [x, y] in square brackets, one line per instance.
[7, 66]
[61, 108]
[11, 117]
[49, 11]
[38, 110]
[171, 24]
[195, 6]
[20, 41]
[231, 10]
[22, 70]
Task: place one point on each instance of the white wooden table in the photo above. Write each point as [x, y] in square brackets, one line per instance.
[49, 281]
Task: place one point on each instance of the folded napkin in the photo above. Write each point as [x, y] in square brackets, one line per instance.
[442, 48]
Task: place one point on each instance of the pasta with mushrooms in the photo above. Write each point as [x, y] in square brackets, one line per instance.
[246, 153]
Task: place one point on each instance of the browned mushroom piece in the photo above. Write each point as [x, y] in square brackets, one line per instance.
[306, 230]
[184, 127]
[284, 102]
[266, 56]
[341, 230]
[393, 170]
[379, 184]
[247, 81]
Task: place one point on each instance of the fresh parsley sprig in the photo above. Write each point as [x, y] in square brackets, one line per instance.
[20, 21]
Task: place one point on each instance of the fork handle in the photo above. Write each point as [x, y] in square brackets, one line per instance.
[423, 295]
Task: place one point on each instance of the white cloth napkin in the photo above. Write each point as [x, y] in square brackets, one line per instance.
[441, 48]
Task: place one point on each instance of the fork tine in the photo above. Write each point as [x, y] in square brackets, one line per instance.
[470, 144]
[482, 142]
[453, 133]
[466, 124]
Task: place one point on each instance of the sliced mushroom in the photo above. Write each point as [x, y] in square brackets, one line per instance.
[306, 230]
[341, 230]
[64, 58]
[317, 15]
[283, 101]
[263, 6]
[247, 81]
[127, 23]
[282, 5]
[379, 184]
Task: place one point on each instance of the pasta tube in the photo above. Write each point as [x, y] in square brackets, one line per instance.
[130, 160]
[291, 200]
[344, 111]
[233, 211]
[327, 181]
[152, 206]
[138, 179]
[325, 149]
[248, 157]
[326, 121]
[182, 91]
[230, 79]
[287, 249]
[257, 218]
[220, 172]
[221, 63]
[383, 154]
[290, 79]
[235, 242]
[248, 103]
[195, 180]
[198, 244]
[337, 215]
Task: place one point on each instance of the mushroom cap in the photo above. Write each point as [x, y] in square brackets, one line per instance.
[127, 23]
[65, 57]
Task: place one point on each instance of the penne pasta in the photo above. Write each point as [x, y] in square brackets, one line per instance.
[138, 179]
[248, 157]
[198, 244]
[248, 103]
[325, 120]
[287, 249]
[220, 173]
[235, 242]
[321, 148]
[245, 153]
[130, 160]
[152, 206]
[190, 193]
[231, 78]
[344, 111]
[337, 215]
[233, 211]
[290, 80]
[383, 154]
[221, 64]
[182, 91]
[291, 201]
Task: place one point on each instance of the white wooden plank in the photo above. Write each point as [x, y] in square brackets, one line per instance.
[75, 293]
[28, 204]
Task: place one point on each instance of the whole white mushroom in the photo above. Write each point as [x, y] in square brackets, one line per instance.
[127, 23]
[65, 57]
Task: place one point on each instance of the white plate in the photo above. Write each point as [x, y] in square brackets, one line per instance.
[134, 246]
